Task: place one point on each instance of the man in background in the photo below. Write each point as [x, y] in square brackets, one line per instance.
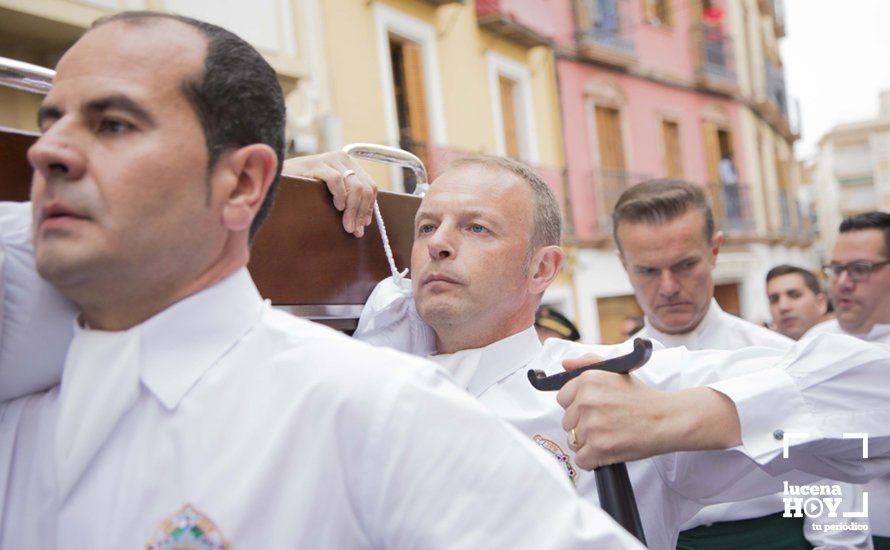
[796, 300]
[668, 244]
[859, 284]
[859, 278]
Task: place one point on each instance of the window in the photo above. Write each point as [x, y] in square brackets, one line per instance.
[409, 75]
[612, 178]
[786, 201]
[718, 144]
[507, 89]
[658, 12]
[411, 111]
[673, 155]
[608, 134]
[511, 107]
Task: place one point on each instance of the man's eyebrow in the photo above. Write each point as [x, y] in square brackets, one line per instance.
[686, 259]
[121, 103]
[47, 112]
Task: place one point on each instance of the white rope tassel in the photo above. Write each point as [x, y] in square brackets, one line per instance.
[386, 248]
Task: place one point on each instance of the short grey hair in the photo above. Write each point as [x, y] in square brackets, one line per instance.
[659, 201]
[547, 219]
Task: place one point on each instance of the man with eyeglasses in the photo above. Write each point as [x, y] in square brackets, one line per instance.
[859, 285]
[859, 278]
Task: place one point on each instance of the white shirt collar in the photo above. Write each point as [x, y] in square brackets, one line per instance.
[182, 342]
[710, 322]
[878, 333]
[479, 369]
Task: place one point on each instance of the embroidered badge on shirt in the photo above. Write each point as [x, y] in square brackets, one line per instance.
[187, 529]
[560, 455]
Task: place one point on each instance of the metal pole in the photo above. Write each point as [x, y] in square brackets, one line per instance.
[25, 76]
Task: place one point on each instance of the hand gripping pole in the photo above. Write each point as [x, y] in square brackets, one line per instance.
[612, 482]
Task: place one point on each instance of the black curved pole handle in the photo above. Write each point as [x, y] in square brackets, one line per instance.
[612, 482]
[619, 365]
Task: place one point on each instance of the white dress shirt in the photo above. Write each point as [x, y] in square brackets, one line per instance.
[878, 489]
[497, 376]
[765, 401]
[669, 489]
[720, 330]
[807, 393]
[35, 319]
[257, 429]
[880, 333]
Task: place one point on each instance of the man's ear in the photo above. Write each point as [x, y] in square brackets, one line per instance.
[822, 301]
[716, 243]
[544, 267]
[252, 169]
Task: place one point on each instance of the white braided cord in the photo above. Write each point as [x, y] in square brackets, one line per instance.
[386, 247]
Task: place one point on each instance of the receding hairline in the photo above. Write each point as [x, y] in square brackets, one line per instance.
[515, 179]
[154, 20]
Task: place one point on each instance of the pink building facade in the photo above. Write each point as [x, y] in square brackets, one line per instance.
[671, 88]
[645, 68]
[643, 107]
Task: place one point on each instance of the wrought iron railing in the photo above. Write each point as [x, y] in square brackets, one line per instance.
[715, 54]
[601, 22]
[608, 186]
[733, 209]
[775, 86]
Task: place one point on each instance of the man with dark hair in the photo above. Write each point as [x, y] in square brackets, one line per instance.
[796, 300]
[859, 284]
[859, 278]
[192, 414]
[668, 244]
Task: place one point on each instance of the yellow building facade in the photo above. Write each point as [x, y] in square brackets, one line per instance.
[422, 75]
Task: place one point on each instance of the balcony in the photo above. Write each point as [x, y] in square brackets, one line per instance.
[775, 86]
[715, 61]
[797, 222]
[608, 186]
[774, 106]
[604, 32]
[733, 209]
[786, 216]
[526, 22]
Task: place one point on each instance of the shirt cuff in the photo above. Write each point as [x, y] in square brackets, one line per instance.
[769, 405]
